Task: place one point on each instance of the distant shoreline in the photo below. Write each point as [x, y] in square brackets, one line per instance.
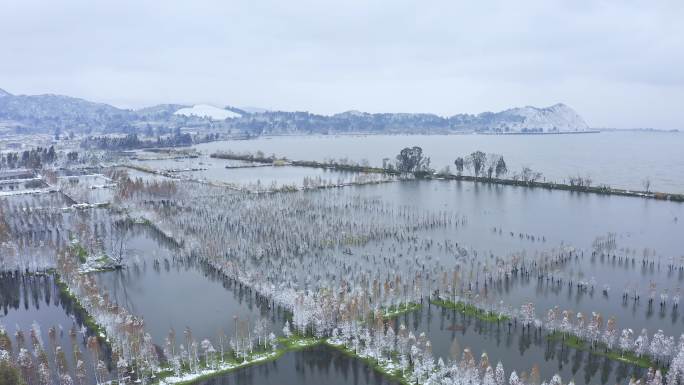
[602, 190]
[455, 133]
[540, 133]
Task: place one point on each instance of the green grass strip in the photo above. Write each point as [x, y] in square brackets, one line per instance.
[470, 310]
[401, 309]
[602, 350]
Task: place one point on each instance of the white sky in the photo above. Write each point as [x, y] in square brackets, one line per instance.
[618, 63]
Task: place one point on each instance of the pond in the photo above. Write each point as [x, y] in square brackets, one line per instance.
[450, 332]
[34, 302]
[50, 199]
[313, 366]
[245, 174]
[178, 293]
[89, 188]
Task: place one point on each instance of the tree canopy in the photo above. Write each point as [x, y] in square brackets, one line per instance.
[411, 159]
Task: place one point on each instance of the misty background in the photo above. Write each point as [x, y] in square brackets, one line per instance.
[619, 64]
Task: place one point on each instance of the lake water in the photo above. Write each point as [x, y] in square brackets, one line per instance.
[618, 159]
[247, 175]
[28, 299]
[516, 350]
[178, 294]
[560, 217]
[314, 366]
[555, 219]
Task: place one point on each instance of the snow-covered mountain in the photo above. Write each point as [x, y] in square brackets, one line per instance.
[207, 111]
[553, 119]
[48, 112]
[556, 118]
[51, 113]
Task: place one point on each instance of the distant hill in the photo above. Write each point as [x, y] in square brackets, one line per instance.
[49, 113]
[160, 111]
[556, 118]
[207, 111]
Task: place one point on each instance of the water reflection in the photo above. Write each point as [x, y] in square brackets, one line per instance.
[179, 292]
[450, 331]
[554, 155]
[32, 305]
[314, 366]
[529, 223]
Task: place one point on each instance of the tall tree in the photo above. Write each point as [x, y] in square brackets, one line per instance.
[411, 159]
[459, 165]
[501, 168]
[478, 159]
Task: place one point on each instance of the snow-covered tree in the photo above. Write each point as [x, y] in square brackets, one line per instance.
[626, 340]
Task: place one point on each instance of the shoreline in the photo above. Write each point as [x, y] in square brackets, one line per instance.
[603, 190]
[566, 339]
[292, 344]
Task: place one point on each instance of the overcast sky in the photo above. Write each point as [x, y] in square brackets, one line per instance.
[618, 63]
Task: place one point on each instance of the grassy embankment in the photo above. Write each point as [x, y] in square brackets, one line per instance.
[567, 340]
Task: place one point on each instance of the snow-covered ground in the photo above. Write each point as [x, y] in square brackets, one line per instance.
[207, 111]
[558, 117]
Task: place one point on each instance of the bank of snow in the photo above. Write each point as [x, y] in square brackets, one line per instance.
[207, 111]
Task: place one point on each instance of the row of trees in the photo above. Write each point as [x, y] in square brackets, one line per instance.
[34, 158]
[33, 363]
[132, 142]
[131, 346]
[479, 164]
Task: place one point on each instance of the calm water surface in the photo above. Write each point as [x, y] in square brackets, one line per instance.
[178, 294]
[618, 159]
[209, 169]
[315, 366]
[450, 332]
[560, 218]
[28, 299]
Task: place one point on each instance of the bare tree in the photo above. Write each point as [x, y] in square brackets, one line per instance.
[528, 175]
[501, 168]
[492, 161]
[647, 184]
[478, 160]
[119, 243]
[459, 165]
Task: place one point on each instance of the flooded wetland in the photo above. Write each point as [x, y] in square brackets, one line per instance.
[217, 271]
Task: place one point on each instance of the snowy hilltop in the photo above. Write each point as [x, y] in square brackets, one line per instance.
[558, 118]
